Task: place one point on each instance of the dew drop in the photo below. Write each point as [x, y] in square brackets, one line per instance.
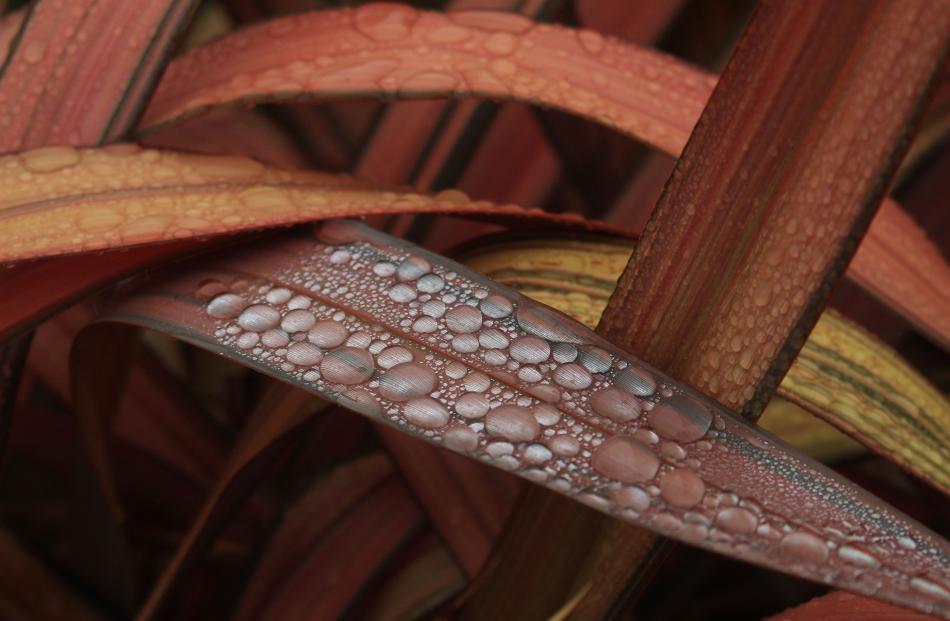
[624, 459]
[413, 268]
[476, 382]
[472, 405]
[305, 354]
[385, 22]
[425, 325]
[681, 488]
[327, 334]
[615, 404]
[927, 587]
[496, 306]
[258, 318]
[537, 454]
[460, 438]
[805, 546]
[298, 321]
[433, 308]
[636, 381]
[857, 556]
[248, 340]
[275, 338]
[513, 423]
[631, 497]
[226, 306]
[33, 52]
[530, 349]
[402, 293]
[492, 339]
[591, 41]
[391, 356]
[501, 43]
[564, 445]
[572, 376]
[347, 365]
[361, 400]
[426, 413]
[594, 359]
[430, 283]
[463, 319]
[737, 520]
[564, 352]
[546, 323]
[406, 381]
[384, 269]
[680, 418]
[465, 343]
[278, 295]
[49, 159]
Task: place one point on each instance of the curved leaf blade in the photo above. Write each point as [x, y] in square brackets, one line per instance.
[406, 337]
[843, 374]
[60, 200]
[387, 50]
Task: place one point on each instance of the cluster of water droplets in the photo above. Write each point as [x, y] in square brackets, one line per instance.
[432, 349]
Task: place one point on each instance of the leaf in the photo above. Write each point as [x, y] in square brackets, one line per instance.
[720, 483]
[62, 200]
[387, 50]
[842, 374]
[67, 82]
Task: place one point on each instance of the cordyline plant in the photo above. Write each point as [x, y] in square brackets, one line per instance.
[135, 194]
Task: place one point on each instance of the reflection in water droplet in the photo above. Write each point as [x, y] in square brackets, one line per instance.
[304, 354]
[258, 318]
[635, 381]
[406, 381]
[347, 365]
[530, 349]
[226, 306]
[617, 405]
[513, 423]
[426, 413]
[564, 352]
[572, 376]
[537, 454]
[681, 488]
[680, 418]
[625, 459]
[275, 338]
[805, 546]
[327, 334]
[492, 339]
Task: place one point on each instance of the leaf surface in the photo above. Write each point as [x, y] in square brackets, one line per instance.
[843, 374]
[416, 341]
[388, 50]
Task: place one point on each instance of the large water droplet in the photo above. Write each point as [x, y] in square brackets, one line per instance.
[347, 365]
[460, 438]
[298, 321]
[426, 413]
[631, 497]
[530, 349]
[258, 318]
[594, 359]
[406, 381]
[805, 546]
[624, 459]
[402, 293]
[635, 381]
[496, 306]
[546, 323]
[430, 283]
[226, 306]
[615, 404]
[327, 334]
[49, 159]
[472, 405]
[681, 488]
[513, 423]
[413, 268]
[385, 21]
[564, 445]
[572, 376]
[680, 418]
[857, 556]
[463, 319]
[304, 354]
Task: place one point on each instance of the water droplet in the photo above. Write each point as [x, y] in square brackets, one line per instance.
[391, 356]
[347, 365]
[402, 293]
[547, 415]
[226, 306]
[433, 308]
[448, 35]
[681, 488]
[501, 43]
[33, 52]
[472, 405]
[680, 418]
[384, 269]
[460, 438]
[564, 352]
[463, 319]
[737, 520]
[258, 318]
[546, 323]
[298, 321]
[248, 340]
[361, 400]
[635, 381]
[327, 334]
[406, 381]
[477, 382]
[426, 413]
[429, 82]
[299, 302]
[98, 220]
[465, 343]
[564, 445]
[497, 449]
[591, 41]
[632, 497]
[928, 587]
[385, 22]
[425, 325]
[430, 283]
[624, 459]
[492, 339]
[572, 376]
[530, 349]
[275, 338]
[340, 257]
[617, 405]
[338, 232]
[496, 306]
[304, 354]
[413, 268]
[805, 546]
[278, 295]
[857, 556]
[513, 423]
[537, 454]
[49, 159]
